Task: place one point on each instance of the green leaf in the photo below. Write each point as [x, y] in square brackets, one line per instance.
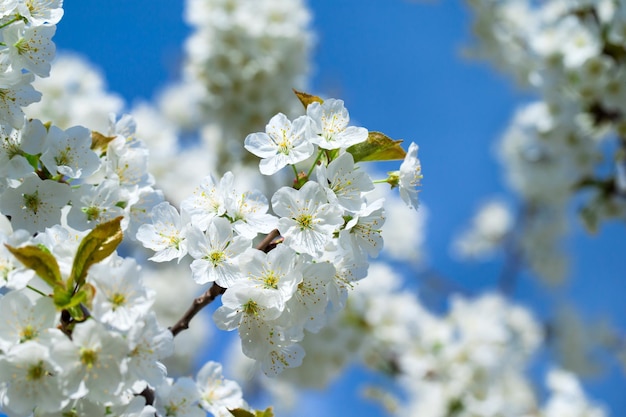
[41, 261]
[96, 246]
[306, 98]
[240, 412]
[267, 413]
[377, 147]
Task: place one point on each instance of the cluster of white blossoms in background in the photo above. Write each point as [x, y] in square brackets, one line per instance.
[572, 54]
[74, 94]
[472, 360]
[326, 230]
[242, 59]
[490, 226]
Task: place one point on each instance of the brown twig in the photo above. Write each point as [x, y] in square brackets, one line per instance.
[268, 243]
[197, 305]
[212, 293]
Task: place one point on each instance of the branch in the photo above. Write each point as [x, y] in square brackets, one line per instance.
[269, 242]
[212, 293]
[197, 305]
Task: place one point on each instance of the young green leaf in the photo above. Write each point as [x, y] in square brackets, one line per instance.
[41, 261]
[96, 246]
[240, 412]
[377, 147]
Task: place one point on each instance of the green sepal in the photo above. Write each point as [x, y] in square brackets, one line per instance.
[90, 293]
[41, 261]
[240, 412]
[306, 98]
[377, 147]
[63, 297]
[78, 313]
[96, 246]
[33, 160]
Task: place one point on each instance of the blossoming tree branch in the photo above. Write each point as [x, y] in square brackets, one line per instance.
[78, 335]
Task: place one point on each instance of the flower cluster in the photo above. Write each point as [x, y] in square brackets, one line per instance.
[101, 362]
[242, 59]
[470, 361]
[78, 336]
[75, 94]
[26, 30]
[571, 54]
[324, 229]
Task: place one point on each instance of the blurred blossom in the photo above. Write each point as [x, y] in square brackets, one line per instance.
[245, 57]
[75, 93]
[489, 228]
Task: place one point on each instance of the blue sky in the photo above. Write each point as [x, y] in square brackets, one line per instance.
[398, 66]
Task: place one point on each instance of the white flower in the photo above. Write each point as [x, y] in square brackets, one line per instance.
[97, 354]
[362, 234]
[348, 270]
[215, 253]
[307, 220]
[166, 234]
[247, 211]
[127, 162]
[121, 298]
[142, 203]
[242, 303]
[410, 177]
[207, 201]
[179, 400]
[35, 204]
[14, 143]
[276, 272]
[218, 395]
[94, 205]
[307, 308]
[30, 48]
[24, 319]
[16, 92]
[69, 152]
[343, 182]
[249, 214]
[33, 378]
[328, 127]
[149, 343]
[39, 12]
[283, 143]
[283, 355]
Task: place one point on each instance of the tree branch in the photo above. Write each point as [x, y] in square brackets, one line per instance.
[212, 293]
[197, 305]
